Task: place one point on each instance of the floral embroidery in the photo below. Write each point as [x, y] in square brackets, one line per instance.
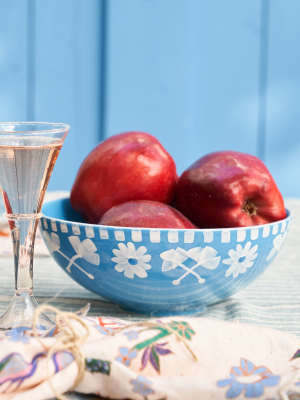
[18, 338]
[14, 369]
[296, 355]
[278, 243]
[106, 325]
[141, 386]
[182, 328]
[152, 350]
[132, 335]
[15, 335]
[205, 258]
[93, 365]
[240, 260]
[126, 355]
[131, 261]
[103, 330]
[250, 378]
[152, 353]
[113, 323]
[61, 360]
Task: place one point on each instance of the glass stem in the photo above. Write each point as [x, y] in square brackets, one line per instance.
[23, 237]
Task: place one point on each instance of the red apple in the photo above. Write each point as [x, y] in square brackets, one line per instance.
[145, 214]
[229, 189]
[125, 167]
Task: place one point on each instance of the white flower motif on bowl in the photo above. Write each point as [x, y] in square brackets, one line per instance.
[131, 261]
[240, 259]
[277, 242]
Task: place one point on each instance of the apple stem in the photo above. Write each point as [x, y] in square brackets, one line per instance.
[249, 208]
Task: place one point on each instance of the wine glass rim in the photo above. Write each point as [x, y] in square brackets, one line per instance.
[56, 127]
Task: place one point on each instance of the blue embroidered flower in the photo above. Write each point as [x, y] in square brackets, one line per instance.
[250, 378]
[141, 386]
[17, 338]
[103, 329]
[131, 335]
[40, 327]
[126, 355]
[16, 334]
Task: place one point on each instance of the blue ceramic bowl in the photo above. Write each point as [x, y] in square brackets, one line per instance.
[159, 271]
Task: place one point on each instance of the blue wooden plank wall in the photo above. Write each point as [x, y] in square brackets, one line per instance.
[186, 72]
[50, 70]
[200, 75]
[283, 95]
[13, 56]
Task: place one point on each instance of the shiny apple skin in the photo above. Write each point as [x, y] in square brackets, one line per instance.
[229, 189]
[128, 166]
[146, 214]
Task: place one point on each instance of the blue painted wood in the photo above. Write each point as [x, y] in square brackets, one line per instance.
[187, 72]
[13, 60]
[67, 79]
[263, 79]
[201, 76]
[283, 117]
[31, 40]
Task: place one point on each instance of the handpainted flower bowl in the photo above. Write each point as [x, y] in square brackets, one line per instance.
[159, 271]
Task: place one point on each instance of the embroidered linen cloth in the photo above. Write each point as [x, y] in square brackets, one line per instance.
[147, 361]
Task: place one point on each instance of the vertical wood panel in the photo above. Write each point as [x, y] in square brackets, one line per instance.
[225, 76]
[13, 60]
[31, 40]
[187, 72]
[283, 116]
[263, 79]
[68, 74]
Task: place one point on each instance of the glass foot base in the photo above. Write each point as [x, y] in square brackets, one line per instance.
[18, 318]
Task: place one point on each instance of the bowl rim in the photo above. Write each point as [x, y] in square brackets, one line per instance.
[288, 217]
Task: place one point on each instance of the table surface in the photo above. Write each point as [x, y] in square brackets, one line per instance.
[272, 300]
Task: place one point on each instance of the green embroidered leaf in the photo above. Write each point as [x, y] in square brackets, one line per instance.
[2, 365]
[154, 359]
[187, 335]
[182, 328]
[191, 331]
[296, 355]
[142, 345]
[181, 333]
[93, 365]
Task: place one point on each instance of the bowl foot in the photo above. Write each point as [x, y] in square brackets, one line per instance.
[163, 313]
[18, 318]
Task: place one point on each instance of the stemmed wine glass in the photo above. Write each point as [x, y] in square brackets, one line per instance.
[28, 152]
